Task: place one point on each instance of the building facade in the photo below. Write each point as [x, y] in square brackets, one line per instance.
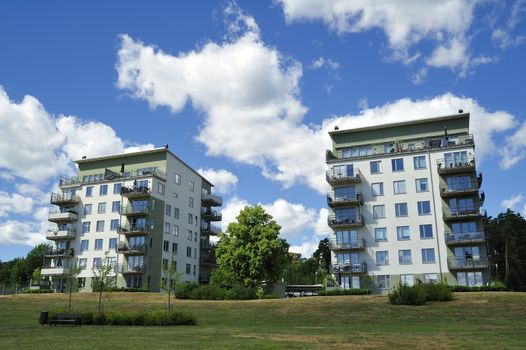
[405, 205]
[137, 211]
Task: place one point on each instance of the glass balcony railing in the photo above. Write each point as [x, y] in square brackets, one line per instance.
[465, 238]
[337, 244]
[474, 263]
[456, 165]
[334, 199]
[336, 176]
[348, 267]
[336, 221]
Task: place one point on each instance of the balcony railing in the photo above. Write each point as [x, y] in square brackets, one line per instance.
[455, 166]
[467, 263]
[459, 189]
[54, 271]
[68, 182]
[64, 199]
[208, 245]
[464, 214]
[350, 267]
[465, 238]
[133, 230]
[135, 192]
[211, 215]
[62, 216]
[335, 244]
[110, 175]
[130, 269]
[334, 200]
[137, 249]
[210, 229]
[135, 210]
[341, 221]
[60, 253]
[212, 200]
[58, 235]
[336, 177]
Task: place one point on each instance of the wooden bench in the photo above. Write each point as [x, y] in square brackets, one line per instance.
[72, 319]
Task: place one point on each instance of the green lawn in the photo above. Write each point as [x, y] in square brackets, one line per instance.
[470, 321]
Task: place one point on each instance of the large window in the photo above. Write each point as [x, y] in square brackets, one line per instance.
[383, 281]
[399, 187]
[402, 233]
[85, 227]
[357, 151]
[101, 208]
[166, 246]
[103, 190]
[456, 159]
[191, 186]
[469, 279]
[401, 209]
[87, 209]
[97, 263]
[407, 280]
[160, 188]
[377, 189]
[89, 191]
[84, 245]
[347, 237]
[426, 231]
[404, 257]
[98, 244]
[424, 208]
[380, 234]
[168, 210]
[461, 205]
[167, 227]
[397, 164]
[382, 257]
[115, 206]
[112, 244]
[428, 255]
[342, 171]
[342, 193]
[376, 167]
[430, 277]
[464, 227]
[378, 211]
[419, 162]
[422, 185]
[114, 224]
[117, 188]
[100, 226]
[459, 183]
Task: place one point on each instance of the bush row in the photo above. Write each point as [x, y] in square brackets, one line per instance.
[420, 293]
[352, 291]
[148, 318]
[37, 291]
[123, 289]
[191, 290]
[496, 287]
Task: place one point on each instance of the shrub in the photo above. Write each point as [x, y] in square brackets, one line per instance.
[403, 294]
[496, 287]
[352, 291]
[128, 290]
[183, 290]
[239, 292]
[210, 292]
[148, 318]
[37, 291]
[438, 291]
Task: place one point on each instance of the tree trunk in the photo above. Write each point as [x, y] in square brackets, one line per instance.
[506, 265]
[100, 297]
[70, 291]
[169, 304]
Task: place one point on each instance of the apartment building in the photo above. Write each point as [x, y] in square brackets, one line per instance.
[139, 210]
[405, 205]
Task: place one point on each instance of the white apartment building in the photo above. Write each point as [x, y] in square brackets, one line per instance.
[138, 209]
[405, 205]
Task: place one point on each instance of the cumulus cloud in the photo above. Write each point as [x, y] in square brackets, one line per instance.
[322, 62]
[514, 149]
[503, 36]
[17, 232]
[15, 204]
[512, 202]
[305, 248]
[223, 180]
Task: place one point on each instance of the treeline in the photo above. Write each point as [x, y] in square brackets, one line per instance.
[19, 271]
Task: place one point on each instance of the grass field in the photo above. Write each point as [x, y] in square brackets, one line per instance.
[470, 321]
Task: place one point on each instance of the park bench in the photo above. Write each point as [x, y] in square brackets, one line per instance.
[72, 319]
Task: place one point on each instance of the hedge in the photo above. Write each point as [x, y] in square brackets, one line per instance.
[147, 318]
[352, 291]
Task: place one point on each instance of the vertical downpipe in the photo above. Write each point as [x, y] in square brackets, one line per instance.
[435, 215]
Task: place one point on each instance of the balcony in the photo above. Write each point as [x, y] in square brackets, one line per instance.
[139, 210]
[467, 263]
[465, 238]
[60, 253]
[128, 269]
[54, 271]
[358, 244]
[210, 229]
[464, 214]
[211, 200]
[68, 182]
[337, 178]
[134, 230]
[456, 166]
[61, 235]
[211, 215]
[345, 221]
[461, 189]
[138, 249]
[64, 199]
[334, 200]
[207, 245]
[135, 192]
[208, 262]
[62, 216]
[354, 268]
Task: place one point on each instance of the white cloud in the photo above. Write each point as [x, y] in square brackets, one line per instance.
[16, 232]
[514, 149]
[231, 209]
[223, 180]
[503, 37]
[512, 202]
[324, 62]
[15, 204]
[305, 248]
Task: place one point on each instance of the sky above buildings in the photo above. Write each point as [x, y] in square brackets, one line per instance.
[246, 92]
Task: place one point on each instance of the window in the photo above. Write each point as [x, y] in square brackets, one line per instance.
[189, 252]
[89, 191]
[165, 264]
[424, 208]
[141, 184]
[461, 205]
[84, 245]
[190, 218]
[175, 230]
[191, 186]
[430, 277]
[189, 235]
[407, 280]
[87, 209]
[428, 255]
[177, 179]
[160, 188]
[426, 231]
[404, 257]
[195, 253]
[166, 246]
[380, 234]
[195, 269]
[97, 262]
[456, 159]
[117, 188]
[167, 227]
[100, 226]
[115, 206]
[377, 189]
[98, 244]
[400, 209]
[102, 208]
[464, 227]
[378, 211]
[383, 281]
[190, 202]
[382, 257]
[399, 187]
[357, 151]
[168, 210]
[83, 262]
[402, 232]
[103, 190]
[469, 279]
[114, 224]
[397, 164]
[112, 244]
[459, 183]
[421, 185]
[188, 269]
[85, 227]
[376, 167]
[174, 248]
[419, 162]
[176, 213]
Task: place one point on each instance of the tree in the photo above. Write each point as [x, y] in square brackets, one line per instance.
[171, 279]
[506, 236]
[100, 276]
[71, 274]
[250, 251]
[323, 254]
[302, 271]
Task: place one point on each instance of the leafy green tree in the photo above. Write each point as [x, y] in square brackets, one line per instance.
[323, 254]
[250, 251]
[302, 271]
[100, 277]
[71, 276]
[171, 279]
[506, 236]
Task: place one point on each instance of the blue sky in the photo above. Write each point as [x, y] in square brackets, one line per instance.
[246, 91]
